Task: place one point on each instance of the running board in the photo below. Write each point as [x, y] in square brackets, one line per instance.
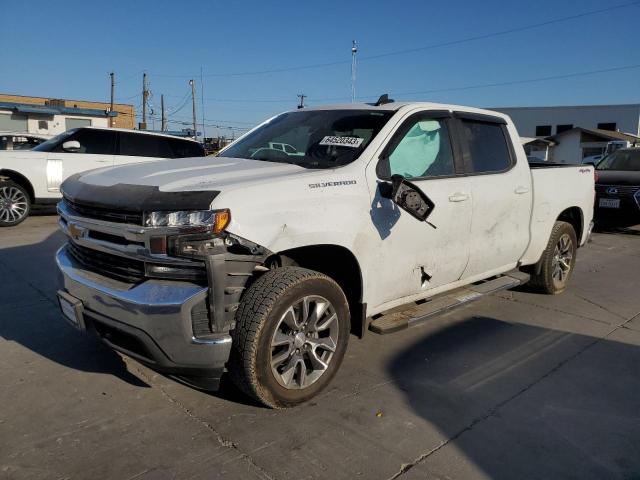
[414, 314]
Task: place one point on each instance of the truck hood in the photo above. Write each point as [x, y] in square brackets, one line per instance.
[192, 174]
[618, 177]
[179, 184]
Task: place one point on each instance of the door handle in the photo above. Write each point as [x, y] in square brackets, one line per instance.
[521, 190]
[458, 197]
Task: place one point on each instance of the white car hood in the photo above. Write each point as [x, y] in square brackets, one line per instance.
[192, 174]
[6, 155]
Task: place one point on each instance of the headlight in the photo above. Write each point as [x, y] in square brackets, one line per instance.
[213, 220]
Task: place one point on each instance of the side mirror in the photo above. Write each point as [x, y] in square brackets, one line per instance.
[71, 146]
[410, 198]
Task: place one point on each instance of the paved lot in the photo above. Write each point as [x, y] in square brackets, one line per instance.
[514, 386]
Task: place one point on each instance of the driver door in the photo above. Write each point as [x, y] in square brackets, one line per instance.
[421, 255]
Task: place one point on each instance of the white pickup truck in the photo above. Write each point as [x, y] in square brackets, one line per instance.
[34, 176]
[260, 262]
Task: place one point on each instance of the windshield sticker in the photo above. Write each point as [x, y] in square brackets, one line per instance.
[353, 142]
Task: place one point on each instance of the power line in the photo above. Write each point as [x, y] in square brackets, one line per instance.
[420, 92]
[417, 49]
[518, 82]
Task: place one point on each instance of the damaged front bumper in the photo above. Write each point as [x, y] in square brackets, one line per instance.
[151, 321]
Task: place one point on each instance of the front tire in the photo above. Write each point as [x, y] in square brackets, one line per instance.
[15, 203]
[291, 334]
[558, 260]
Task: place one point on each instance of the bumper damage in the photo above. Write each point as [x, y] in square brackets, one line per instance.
[150, 321]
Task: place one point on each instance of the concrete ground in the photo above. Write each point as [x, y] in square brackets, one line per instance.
[517, 385]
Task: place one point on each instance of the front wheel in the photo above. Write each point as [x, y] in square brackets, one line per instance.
[292, 330]
[14, 203]
[558, 260]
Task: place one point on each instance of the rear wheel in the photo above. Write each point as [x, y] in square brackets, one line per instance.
[292, 330]
[14, 203]
[558, 260]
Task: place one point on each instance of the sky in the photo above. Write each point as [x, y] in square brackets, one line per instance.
[250, 52]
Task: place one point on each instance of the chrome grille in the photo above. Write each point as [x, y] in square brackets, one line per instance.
[114, 266]
[116, 216]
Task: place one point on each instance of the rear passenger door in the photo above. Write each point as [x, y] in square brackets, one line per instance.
[502, 194]
[141, 147]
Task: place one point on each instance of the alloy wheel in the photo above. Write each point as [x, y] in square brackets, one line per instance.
[562, 259]
[13, 204]
[304, 342]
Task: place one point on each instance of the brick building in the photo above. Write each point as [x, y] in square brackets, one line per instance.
[52, 116]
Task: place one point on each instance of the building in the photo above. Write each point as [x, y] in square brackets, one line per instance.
[567, 134]
[52, 116]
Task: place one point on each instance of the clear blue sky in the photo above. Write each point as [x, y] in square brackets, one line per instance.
[66, 49]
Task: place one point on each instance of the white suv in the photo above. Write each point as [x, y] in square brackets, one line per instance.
[34, 176]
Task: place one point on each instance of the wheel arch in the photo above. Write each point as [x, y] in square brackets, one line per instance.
[575, 217]
[20, 180]
[338, 263]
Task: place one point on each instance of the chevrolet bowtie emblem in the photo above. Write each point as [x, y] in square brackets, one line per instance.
[75, 231]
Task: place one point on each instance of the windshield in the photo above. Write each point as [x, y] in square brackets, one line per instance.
[625, 160]
[54, 142]
[312, 138]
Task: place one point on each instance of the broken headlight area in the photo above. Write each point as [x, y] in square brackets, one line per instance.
[169, 272]
[194, 246]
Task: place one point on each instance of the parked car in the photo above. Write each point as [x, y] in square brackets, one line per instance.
[34, 176]
[618, 189]
[21, 140]
[261, 263]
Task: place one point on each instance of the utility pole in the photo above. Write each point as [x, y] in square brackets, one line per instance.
[145, 92]
[301, 96]
[202, 102]
[193, 105]
[113, 87]
[163, 126]
[354, 50]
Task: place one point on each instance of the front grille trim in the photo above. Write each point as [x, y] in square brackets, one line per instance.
[623, 190]
[114, 266]
[98, 213]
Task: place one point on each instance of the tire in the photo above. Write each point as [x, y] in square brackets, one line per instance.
[558, 260]
[15, 203]
[269, 361]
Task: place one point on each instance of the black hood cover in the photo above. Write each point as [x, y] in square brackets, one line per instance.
[134, 198]
[618, 177]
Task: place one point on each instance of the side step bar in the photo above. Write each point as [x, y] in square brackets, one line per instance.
[414, 314]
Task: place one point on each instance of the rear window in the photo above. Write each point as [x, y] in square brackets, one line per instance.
[487, 146]
[185, 148]
[141, 145]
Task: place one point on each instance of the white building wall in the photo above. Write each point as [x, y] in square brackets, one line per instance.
[56, 124]
[626, 117]
[568, 150]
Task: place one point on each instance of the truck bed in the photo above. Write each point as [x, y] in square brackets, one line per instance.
[557, 187]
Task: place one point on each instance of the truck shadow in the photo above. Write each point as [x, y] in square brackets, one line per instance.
[495, 390]
[29, 315]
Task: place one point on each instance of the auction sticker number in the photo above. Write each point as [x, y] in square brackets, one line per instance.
[353, 142]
